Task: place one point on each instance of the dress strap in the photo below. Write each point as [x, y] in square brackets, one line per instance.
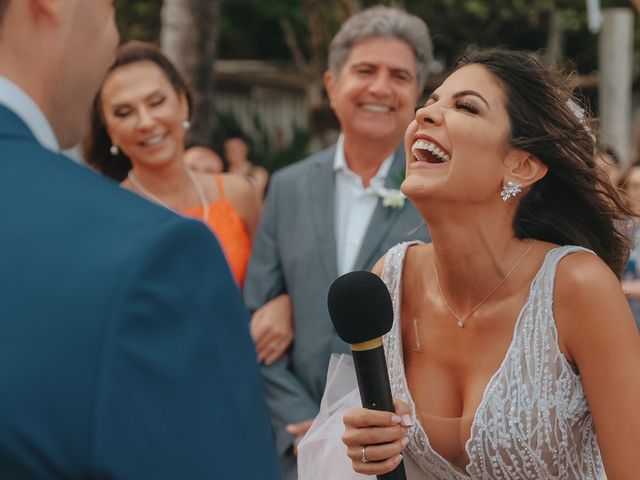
[550, 266]
[393, 263]
[539, 321]
[220, 185]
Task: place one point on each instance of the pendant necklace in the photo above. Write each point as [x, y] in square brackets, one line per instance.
[463, 318]
[201, 195]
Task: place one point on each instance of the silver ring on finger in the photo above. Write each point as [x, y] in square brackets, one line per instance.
[364, 455]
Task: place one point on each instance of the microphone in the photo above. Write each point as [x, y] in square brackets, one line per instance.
[361, 312]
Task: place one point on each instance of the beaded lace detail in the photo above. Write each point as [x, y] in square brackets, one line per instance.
[533, 421]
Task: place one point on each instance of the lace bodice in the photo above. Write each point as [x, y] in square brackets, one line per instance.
[533, 421]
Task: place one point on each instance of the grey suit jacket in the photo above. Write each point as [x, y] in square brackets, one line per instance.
[295, 252]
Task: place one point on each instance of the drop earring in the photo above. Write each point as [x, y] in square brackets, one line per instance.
[511, 189]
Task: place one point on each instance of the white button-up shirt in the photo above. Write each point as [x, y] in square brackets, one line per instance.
[354, 206]
[16, 100]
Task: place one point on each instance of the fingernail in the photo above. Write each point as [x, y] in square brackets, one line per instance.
[405, 442]
[407, 421]
[398, 459]
[395, 419]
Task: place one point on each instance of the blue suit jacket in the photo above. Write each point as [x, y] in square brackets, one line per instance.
[124, 346]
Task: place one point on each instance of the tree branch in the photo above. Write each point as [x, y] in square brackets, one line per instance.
[293, 45]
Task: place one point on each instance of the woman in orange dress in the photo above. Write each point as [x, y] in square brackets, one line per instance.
[139, 122]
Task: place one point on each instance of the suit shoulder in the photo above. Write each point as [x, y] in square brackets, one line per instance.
[94, 206]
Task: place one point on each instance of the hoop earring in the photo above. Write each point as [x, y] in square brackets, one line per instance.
[114, 150]
[186, 124]
[510, 190]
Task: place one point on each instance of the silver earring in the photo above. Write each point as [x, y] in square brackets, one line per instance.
[114, 150]
[186, 124]
[511, 189]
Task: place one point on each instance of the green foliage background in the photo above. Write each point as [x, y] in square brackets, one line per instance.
[251, 29]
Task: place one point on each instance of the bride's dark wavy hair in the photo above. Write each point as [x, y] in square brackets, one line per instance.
[573, 204]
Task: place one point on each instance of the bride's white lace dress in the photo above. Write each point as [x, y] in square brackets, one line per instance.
[533, 421]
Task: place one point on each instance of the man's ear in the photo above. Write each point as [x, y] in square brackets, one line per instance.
[329, 82]
[48, 11]
[523, 168]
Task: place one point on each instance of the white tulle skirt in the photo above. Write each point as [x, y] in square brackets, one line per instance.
[321, 453]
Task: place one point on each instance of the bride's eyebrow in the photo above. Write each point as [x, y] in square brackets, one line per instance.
[473, 93]
[435, 97]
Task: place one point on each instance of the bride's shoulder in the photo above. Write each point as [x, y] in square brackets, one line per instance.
[404, 253]
[417, 254]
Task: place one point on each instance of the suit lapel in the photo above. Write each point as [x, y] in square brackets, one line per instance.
[322, 200]
[383, 217]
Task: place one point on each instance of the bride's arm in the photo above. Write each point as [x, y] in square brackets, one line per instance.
[598, 334]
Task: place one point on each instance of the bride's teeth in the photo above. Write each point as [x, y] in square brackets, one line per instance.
[420, 146]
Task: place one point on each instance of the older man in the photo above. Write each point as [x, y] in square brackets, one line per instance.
[122, 335]
[326, 215]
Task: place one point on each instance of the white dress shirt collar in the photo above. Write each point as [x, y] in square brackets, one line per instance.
[16, 100]
[340, 163]
[354, 206]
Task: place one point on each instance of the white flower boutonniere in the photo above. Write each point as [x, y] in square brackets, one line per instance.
[391, 197]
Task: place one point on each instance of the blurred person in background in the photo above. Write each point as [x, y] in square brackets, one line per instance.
[630, 185]
[236, 153]
[203, 159]
[336, 211]
[139, 121]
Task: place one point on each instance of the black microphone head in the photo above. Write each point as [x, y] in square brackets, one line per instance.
[360, 307]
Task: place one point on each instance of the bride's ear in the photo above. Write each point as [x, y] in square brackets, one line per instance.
[524, 168]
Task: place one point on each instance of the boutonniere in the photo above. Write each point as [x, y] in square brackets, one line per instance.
[393, 197]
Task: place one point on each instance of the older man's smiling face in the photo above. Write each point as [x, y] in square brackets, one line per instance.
[375, 93]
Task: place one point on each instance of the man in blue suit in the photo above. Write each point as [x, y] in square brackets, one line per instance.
[124, 345]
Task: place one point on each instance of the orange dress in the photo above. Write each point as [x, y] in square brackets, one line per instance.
[228, 226]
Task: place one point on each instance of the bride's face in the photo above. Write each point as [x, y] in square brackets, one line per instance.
[457, 143]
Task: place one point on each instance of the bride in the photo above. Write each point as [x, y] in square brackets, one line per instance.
[512, 343]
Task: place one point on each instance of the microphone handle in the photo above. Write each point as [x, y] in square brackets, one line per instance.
[375, 391]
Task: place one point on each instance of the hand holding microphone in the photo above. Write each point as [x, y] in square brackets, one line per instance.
[361, 311]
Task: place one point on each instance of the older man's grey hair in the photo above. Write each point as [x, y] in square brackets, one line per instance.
[383, 22]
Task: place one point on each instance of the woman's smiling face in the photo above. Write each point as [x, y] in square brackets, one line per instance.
[457, 144]
[144, 114]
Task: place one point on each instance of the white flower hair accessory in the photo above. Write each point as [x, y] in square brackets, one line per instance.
[579, 113]
[391, 197]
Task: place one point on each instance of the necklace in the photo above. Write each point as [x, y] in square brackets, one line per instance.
[461, 319]
[201, 195]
